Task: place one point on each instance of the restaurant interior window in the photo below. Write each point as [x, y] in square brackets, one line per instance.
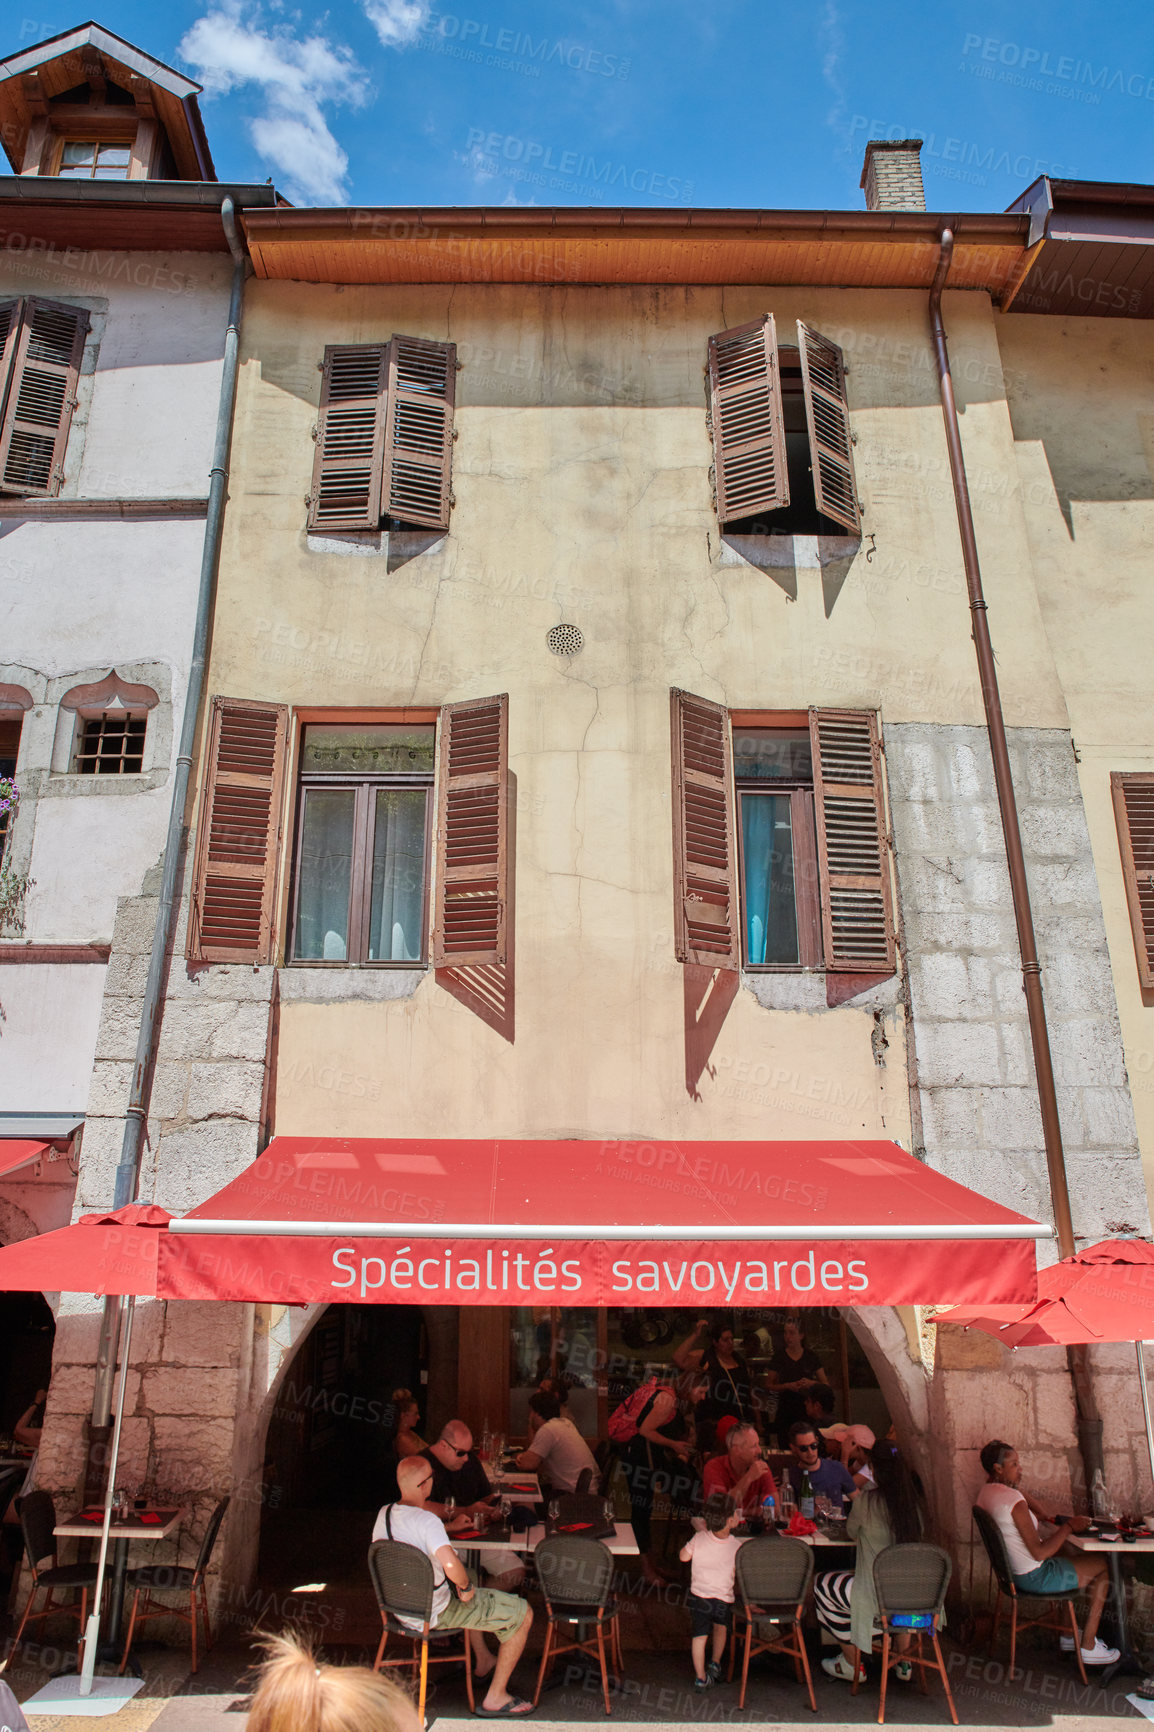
[781, 912]
[87, 159]
[362, 844]
[560, 1343]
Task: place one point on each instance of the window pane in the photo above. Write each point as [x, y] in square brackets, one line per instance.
[770, 900]
[766, 753]
[372, 750]
[77, 159]
[326, 862]
[396, 915]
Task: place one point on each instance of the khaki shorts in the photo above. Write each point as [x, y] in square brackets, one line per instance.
[501, 1614]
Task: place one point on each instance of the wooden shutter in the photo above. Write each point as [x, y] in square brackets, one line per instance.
[1134, 815]
[472, 895]
[852, 849]
[346, 489]
[749, 465]
[704, 861]
[419, 431]
[45, 367]
[10, 315]
[238, 838]
[826, 411]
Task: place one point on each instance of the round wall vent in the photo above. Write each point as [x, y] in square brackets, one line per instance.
[565, 640]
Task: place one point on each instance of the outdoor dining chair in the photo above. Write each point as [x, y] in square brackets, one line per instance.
[404, 1582]
[911, 1582]
[1066, 1624]
[175, 1579]
[774, 1576]
[576, 1579]
[37, 1520]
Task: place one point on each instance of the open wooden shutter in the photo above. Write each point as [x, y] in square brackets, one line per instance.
[1134, 815]
[830, 445]
[749, 463]
[346, 490]
[238, 837]
[45, 367]
[473, 866]
[704, 861]
[419, 431]
[10, 315]
[852, 848]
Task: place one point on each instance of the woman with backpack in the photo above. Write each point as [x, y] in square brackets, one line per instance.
[656, 1446]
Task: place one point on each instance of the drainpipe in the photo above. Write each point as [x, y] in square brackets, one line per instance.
[136, 1115]
[1089, 1420]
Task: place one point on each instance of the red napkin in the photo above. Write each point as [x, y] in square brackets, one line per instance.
[150, 1520]
[800, 1526]
[572, 1527]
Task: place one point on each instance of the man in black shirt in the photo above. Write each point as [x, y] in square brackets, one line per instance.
[457, 1472]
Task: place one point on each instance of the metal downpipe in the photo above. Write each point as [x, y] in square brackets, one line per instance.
[1089, 1420]
[136, 1113]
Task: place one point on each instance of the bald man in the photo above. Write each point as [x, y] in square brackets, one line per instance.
[457, 1472]
[472, 1609]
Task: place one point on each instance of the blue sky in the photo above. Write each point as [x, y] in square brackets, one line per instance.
[650, 102]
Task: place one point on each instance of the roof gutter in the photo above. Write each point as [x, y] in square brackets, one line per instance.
[148, 1039]
[1089, 1419]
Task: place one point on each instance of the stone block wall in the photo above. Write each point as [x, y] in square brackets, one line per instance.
[973, 1063]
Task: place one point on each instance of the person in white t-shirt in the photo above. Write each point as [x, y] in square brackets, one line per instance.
[712, 1555]
[556, 1445]
[472, 1608]
[1043, 1566]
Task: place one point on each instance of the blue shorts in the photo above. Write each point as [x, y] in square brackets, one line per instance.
[705, 1613]
[1052, 1576]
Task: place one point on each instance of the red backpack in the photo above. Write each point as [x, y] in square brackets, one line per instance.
[624, 1420]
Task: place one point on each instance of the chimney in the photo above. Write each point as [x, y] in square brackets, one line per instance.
[892, 175]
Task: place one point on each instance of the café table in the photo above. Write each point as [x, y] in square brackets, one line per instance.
[518, 1487]
[1115, 1551]
[121, 1535]
[622, 1545]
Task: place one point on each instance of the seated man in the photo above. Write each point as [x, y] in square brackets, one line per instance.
[556, 1447]
[458, 1473]
[740, 1473]
[473, 1609]
[827, 1477]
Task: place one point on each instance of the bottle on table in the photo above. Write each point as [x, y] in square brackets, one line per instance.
[769, 1511]
[806, 1498]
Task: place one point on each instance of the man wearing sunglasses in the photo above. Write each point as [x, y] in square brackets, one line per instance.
[457, 1473]
[827, 1477]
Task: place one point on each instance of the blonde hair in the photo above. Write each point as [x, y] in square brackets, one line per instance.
[295, 1694]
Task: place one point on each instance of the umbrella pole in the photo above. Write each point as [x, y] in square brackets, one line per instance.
[92, 1628]
[1138, 1346]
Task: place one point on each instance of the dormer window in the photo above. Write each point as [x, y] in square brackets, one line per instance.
[86, 159]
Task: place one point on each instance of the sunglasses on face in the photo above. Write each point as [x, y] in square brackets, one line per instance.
[807, 1448]
[459, 1453]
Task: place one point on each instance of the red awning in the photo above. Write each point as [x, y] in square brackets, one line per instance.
[113, 1253]
[15, 1153]
[586, 1223]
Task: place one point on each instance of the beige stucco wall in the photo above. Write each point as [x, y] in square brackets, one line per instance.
[1082, 402]
[582, 494]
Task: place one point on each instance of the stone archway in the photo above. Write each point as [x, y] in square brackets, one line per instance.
[892, 1346]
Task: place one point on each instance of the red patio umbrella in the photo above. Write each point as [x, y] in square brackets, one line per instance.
[107, 1254]
[1105, 1293]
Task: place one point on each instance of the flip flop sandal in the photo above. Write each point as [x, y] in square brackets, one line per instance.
[516, 1708]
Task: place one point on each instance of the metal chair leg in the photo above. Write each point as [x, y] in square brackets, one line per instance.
[1013, 1635]
[1077, 1640]
[799, 1637]
[856, 1664]
[424, 1679]
[469, 1673]
[601, 1659]
[745, 1660]
[131, 1630]
[192, 1609]
[945, 1678]
[545, 1653]
[885, 1673]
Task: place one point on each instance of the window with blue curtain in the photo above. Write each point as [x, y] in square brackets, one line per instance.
[773, 773]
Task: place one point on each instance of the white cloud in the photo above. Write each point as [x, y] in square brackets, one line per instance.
[398, 23]
[296, 77]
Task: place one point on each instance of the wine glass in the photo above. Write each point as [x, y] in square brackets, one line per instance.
[506, 1511]
[554, 1510]
[450, 1507]
[610, 1512]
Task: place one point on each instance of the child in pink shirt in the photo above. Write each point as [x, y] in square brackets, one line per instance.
[713, 1556]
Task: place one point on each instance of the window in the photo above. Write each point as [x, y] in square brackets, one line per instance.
[111, 745]
[41, 343]
[782, 446]
[362, 843]
[1134, 815]
[781, 854]
[9, 751]
[88, 160]
[384, 436]
[781, 912]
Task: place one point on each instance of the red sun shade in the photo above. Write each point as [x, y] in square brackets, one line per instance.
[587, 1223]
[113, 1253]
[15, 1153]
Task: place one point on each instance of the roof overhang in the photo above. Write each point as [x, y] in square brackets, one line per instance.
[499, 244]
[1091, 250]
[111, 216]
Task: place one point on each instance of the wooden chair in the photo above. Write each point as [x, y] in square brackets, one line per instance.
[911, 1580]
[774, 1577]
[175, 1579]
[404, 1582]
[576, 1579]
[1008, 1589]
[37, 1520]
